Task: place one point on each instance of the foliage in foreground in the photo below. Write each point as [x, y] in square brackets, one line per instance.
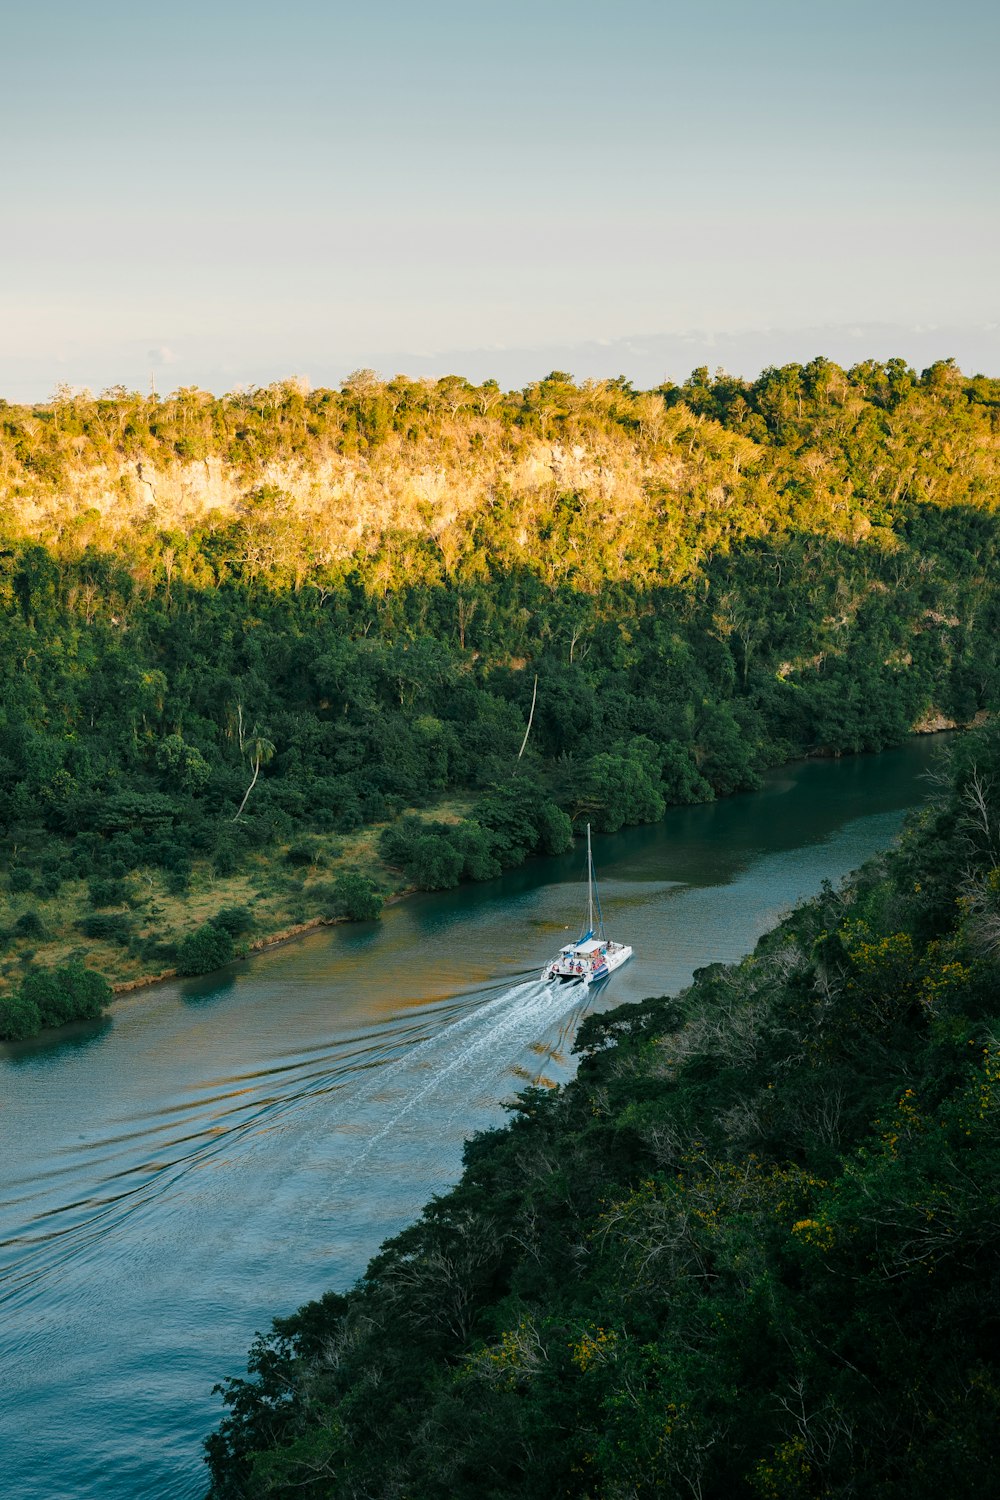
[751, 1251]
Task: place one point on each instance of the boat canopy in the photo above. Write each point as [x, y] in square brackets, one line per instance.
[589, 945]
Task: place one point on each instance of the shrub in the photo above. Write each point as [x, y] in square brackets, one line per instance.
[357, 898]
[178, 880]
[434, 862]
[172, 856]
[555, 831]
[72, 993]
[183, 766]
[29, 924]
[233, 919]
[20, 880]
[226, 860]
[91, 990]
[625, 788]
[511, 822]
[123, 854]
[110, 927]
[523, 821]
[428, 853]
[305, 852]
[204, 950]
[477, 845]
[105, 892]
[153, 950]
[128, 812]
[19, 1018]
[348, 816]
[682, 781]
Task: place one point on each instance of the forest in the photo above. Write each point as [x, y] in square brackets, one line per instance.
[269, 658]
[749, 1253]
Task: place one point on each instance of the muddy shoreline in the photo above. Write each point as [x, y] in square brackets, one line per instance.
[259, 945]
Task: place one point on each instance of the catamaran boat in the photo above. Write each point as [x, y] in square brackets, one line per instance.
[593, 956]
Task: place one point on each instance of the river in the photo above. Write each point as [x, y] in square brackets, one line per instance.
[219, 1151]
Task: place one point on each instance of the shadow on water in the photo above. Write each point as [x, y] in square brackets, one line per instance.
[709, 844]
[800, 805]
[358, 936]
[57, 1043]
[203, 991]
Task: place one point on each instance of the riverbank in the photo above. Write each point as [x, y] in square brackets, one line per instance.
[283, 892]
[259, 945]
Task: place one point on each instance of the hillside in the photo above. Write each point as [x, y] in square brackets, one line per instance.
[276, 654]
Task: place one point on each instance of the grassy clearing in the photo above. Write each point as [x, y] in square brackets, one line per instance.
[288, 886]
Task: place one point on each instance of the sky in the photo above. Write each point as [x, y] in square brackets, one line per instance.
[225, 194]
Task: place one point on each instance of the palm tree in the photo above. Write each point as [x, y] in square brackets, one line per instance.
[261, 751]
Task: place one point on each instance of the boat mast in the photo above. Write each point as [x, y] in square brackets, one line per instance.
[590, 887]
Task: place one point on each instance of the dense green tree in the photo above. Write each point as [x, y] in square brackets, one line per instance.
[19, 1017]
[52, 997]
[236, 920]
[182, 765]
[208, 948]
[624, 789]
[357, 898]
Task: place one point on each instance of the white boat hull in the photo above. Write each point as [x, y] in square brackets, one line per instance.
[570, 970]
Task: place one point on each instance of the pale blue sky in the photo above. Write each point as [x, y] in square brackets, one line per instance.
[232, 193]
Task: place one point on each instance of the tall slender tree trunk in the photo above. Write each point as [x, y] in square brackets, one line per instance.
[534, 695]
[256, 773]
